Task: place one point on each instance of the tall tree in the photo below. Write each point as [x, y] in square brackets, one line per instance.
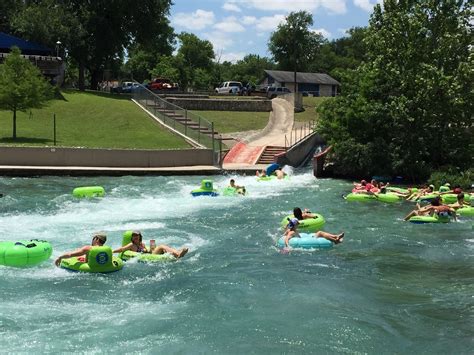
[251, 68]
[340, 54]
[193, 53]
[293, 44]
[408, 108]
[8, 8]
[22, 86]
[99, 32]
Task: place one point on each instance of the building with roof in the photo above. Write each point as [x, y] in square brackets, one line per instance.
[48, 62]
[317, 84]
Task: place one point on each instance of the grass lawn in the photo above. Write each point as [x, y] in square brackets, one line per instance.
[309, 104]
[235, 121]
[88, 119]
[232, 121]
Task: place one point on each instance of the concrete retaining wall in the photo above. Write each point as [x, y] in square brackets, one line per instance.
[104, 157]
[222, 104]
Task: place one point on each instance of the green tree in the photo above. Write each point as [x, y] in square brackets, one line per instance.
[250, 68]
[193, 53]
[8, 8]
[166, 68]
[22, 86]
[341, 54]
[97, 33]
[408, 108]
[293, 45]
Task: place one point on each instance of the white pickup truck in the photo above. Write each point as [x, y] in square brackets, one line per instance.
[229, 87]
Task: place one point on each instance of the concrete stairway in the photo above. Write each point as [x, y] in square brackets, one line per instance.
[268, 155]
[185, 121]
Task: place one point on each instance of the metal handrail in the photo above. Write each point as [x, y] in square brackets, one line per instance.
[303, 129]
[187, 123]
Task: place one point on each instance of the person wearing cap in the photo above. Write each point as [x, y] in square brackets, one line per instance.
[98, 239]
[292, 232]
[138, 246]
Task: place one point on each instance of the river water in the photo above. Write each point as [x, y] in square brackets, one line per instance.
[390, 287]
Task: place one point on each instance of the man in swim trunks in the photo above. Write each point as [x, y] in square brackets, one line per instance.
[436, 207]
[138, 246]
[98, 239]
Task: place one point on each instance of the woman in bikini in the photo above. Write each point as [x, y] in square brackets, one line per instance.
[138, 246]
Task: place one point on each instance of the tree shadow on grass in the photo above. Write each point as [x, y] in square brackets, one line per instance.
[107, 95]
[24, 140]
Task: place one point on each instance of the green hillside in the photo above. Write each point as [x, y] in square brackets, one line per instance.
[89, 119]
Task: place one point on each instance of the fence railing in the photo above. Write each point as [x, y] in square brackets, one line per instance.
[298, 134]
[187, 123]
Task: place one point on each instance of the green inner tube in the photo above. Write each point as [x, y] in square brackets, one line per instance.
[466, 211]
[99, 260]
[388, 197]
[24, 253]
[428, 219]
[401, 189]
[142, 257]
[272, 177]
[232, 191]
[89, 191]
[309, 225]
[146, 257]
[452, 198]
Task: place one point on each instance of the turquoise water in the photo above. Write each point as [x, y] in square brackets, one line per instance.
[391, 287]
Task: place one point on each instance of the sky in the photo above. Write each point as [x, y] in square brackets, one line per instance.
[239, 27]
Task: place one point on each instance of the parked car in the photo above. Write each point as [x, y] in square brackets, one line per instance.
[160, 84]
[273, 91]
[126, 87]
[229, 87]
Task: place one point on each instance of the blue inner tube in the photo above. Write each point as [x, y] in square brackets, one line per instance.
[306, 241]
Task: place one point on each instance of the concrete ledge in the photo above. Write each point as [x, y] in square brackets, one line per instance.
[112, 158]
[15, 170]
[12, 170]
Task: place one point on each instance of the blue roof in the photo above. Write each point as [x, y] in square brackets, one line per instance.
[7, 41]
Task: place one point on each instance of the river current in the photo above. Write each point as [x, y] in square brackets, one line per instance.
[390, 287]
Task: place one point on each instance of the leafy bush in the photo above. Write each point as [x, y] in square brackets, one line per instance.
[452, 175]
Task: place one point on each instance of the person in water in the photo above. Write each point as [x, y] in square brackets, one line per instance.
[98, 239]
[425, 191]
[435, 207]
[138, 246]
[239, 189]
[460, 202]
[300, 215]
[291, 231]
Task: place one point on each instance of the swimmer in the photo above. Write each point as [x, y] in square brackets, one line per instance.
[98, 239]
[240, 189]
[292, 232]
[435, 207]
[138, 246]
[300, 215]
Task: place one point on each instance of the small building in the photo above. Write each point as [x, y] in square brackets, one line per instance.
[48, 62]
[316, 84]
